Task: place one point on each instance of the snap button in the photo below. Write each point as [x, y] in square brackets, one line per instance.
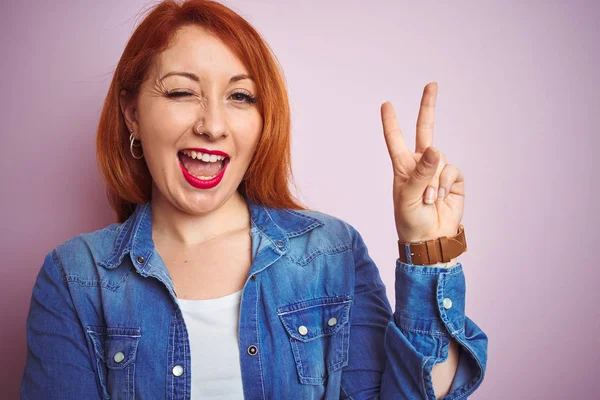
[178, 370]
[332, 321]
[140, 259]
[279, 243]
[119, 357]
[252, 350]
[253, 277]
[302, 330]
[447, 303]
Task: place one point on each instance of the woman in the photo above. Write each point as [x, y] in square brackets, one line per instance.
[215, 282]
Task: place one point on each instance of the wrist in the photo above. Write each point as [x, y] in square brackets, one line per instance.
[449, 264]
[440, 252]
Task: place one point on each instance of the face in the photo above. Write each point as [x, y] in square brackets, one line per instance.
[198, 95]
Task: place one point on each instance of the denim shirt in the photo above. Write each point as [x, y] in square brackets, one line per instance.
[315, 322]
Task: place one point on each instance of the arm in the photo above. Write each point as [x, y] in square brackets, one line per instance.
[392, 354]
[58, 362]
[443, 373]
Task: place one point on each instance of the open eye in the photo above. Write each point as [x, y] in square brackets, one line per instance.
[244, 97]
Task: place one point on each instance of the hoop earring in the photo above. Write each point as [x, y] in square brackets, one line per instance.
[131, 144]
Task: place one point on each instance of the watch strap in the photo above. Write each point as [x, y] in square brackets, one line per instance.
[442, 249]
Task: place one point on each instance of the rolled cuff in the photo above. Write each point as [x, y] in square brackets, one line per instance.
[430, 299]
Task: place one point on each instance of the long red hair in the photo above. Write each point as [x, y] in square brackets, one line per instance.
[269, 173]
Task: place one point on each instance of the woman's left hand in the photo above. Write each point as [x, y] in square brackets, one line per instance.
[416, 218]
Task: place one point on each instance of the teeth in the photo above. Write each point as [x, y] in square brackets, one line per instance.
[203, 156]
[204, 178]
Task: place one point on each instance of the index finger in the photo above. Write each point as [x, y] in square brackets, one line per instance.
[394, 138]
[426, 118]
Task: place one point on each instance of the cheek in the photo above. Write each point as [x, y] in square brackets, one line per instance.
[249, 143]
[247, 135]
[167, 119]
[161, 135]
[245, 147]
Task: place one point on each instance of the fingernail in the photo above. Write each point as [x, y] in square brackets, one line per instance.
[429, 194]
[441, 193]
[429, 155]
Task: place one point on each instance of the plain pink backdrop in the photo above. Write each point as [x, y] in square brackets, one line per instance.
[517, 112]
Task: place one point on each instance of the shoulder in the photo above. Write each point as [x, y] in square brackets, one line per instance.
[330, 221]
[323, 226]
[77, 254]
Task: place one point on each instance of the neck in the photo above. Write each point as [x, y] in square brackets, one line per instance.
[171, 224]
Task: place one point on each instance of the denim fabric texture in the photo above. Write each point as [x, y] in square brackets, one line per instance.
[315, 322]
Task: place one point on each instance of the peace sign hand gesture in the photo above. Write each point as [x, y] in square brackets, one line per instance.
[417, 218]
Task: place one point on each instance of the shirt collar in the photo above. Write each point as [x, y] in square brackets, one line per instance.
[278, 225]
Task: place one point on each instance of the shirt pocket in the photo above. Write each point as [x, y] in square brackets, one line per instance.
[115, 351]
[319, 333]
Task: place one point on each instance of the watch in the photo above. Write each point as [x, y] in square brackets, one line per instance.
[442, 249]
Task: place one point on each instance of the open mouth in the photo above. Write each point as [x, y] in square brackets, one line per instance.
[203, 166]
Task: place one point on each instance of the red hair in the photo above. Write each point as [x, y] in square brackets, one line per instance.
[269, 173]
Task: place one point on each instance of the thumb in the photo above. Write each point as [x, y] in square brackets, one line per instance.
[422, 174]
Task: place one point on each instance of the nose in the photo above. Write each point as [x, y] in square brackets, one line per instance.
[212, 122]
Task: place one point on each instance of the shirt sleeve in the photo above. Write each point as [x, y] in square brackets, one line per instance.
[58, 364]
[392, 352]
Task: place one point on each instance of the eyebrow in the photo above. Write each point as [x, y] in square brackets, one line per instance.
[195, 77]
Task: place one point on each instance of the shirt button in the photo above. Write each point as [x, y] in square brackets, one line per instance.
[140, 259]
[178, 370]
[119, 357]
[332, 321]
[279, 243]
[302, 330]
[253, 277]
[447, 303]
[252, 350]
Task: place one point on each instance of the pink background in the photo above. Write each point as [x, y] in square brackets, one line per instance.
[517, 112]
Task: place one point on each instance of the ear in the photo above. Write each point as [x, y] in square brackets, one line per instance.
[129, 110]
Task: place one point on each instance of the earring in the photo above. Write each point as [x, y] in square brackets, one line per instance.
[131, 144]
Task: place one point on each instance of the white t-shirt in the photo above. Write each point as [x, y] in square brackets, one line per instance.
[212, 327]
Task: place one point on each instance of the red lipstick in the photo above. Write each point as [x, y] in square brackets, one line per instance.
[206, 151]
[200, 183]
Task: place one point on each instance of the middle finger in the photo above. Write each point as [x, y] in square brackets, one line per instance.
[426, 118]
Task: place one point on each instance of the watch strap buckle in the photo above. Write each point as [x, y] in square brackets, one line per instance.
[442, 249]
